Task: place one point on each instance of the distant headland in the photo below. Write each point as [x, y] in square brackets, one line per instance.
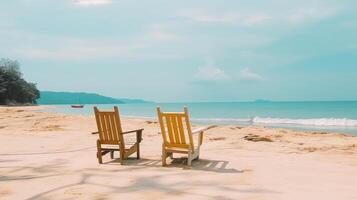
[59, 98]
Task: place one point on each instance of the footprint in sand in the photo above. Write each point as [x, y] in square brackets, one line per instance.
[217, 138]
[5, 191]
[74, 191]
[257, 138]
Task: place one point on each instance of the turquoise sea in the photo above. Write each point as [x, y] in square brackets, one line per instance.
[336, 116]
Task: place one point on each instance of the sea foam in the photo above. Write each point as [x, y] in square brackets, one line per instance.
[308, 122]
[336, 122]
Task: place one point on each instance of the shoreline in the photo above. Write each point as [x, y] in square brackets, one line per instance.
[35, 112]
[286, 123]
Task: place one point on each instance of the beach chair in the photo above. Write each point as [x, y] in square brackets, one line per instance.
[177, 135]
[111, 136]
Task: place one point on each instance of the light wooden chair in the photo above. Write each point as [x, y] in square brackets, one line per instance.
[177, 135]
[111, 136]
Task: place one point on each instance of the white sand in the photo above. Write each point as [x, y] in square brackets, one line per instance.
[53, 156]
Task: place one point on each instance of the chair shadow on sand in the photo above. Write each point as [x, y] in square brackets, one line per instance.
[218, 166]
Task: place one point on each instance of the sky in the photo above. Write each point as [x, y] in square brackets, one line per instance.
[186, 51]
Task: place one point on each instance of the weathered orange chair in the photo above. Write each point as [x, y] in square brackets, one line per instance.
[112, 136]
[177, 135]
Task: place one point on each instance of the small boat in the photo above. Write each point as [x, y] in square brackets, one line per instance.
[77, 106]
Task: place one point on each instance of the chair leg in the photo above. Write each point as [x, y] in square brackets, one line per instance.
[112, 154]
[122, 154]
[189, 159]
[172, 155]
[164, 155]
[99, 152]
[198, 154]
[138, 151]
[99, 156]
[138, 140]
[121, 159]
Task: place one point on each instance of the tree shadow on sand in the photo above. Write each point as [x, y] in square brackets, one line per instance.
[15, 173]
[218, 166]
[152, 183]
[93, 177]
[49, 153]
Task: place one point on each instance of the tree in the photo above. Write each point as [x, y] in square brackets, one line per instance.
[13, 87]
[3, 85]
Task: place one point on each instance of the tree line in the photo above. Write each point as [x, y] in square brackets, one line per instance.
[14, 89]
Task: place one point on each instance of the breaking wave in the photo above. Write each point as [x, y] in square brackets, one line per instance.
[337, 122]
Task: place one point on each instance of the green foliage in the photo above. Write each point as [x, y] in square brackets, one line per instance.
[57, 98]
[13, 87]
[60, 98]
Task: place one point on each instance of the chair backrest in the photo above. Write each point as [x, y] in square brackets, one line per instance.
[109, 126]
[176, 128]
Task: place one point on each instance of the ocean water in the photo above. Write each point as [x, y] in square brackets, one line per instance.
[338, 116]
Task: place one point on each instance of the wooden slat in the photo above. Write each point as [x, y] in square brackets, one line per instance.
[99, 125]
[106, 112]
[181, 130]
[114, 128]
[176, 133]
[169, 129]
[109, 125]
[185, 146]
[111, 143]
[118, 122]
[162, 126]
[104, 127]
[188, 125]
[177, 150]
[174, 113]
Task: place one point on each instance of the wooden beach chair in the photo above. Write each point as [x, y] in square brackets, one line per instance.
[111, 136]
[178, 136]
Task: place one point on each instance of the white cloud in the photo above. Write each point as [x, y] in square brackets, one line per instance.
[81, 51]
[99, 50]
[201, 16]
[161, 34]
[310, 14]
[277, 16]
[92, 2]
[227, 17]
[209, 72]
[135, 46]
[257, 19]
[247, 74]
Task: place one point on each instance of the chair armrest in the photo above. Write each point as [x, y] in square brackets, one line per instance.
[126, 132]
[202, 129]
[139, 134]
[133, 131]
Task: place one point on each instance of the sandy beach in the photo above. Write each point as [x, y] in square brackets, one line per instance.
[53, 156]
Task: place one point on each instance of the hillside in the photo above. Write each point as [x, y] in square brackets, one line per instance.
[57, 98]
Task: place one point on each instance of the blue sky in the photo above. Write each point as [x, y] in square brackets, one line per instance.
[171, 51]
